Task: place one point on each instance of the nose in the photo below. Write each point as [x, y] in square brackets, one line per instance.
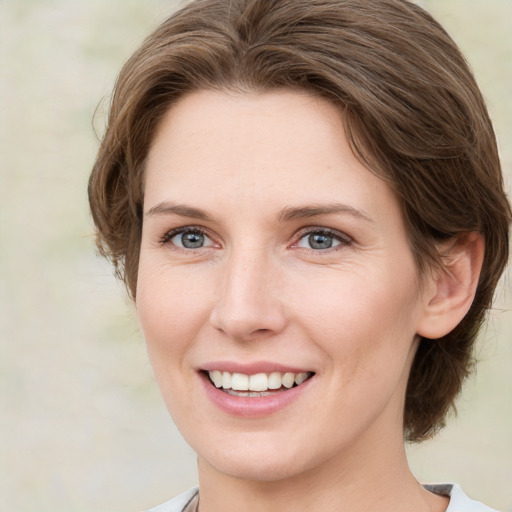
[249, 299]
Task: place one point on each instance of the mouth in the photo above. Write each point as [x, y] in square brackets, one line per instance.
[256, 385]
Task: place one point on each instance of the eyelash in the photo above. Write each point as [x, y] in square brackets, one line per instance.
[166, 239]
[344, 239]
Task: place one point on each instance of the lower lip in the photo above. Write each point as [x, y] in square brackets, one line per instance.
[253, 407]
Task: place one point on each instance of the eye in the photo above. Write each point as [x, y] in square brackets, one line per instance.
[188, 238]
[322, 239]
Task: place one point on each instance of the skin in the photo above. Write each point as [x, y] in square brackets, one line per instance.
[257, 291]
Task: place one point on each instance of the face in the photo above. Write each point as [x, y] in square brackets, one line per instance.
[277, 293]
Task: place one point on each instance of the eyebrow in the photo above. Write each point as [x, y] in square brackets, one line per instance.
[287, 214]
[169, 208]
[303, 212]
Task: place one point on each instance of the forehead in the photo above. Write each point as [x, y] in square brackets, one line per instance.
[231, 126]
[262, 149]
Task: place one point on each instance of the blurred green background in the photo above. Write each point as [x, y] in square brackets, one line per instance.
[82, 425]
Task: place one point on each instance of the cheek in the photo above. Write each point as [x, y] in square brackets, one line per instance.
[363, 320]
[170, 313]
[171, 308]
[362, 301]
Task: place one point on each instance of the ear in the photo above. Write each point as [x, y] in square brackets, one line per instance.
[450, 291]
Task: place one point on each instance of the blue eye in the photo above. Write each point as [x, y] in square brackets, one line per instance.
[321, 240]
[188, 238]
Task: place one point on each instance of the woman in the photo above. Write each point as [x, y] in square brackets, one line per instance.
[305, 201]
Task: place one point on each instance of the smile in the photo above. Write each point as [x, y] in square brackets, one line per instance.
[255, 390]
[258, 384]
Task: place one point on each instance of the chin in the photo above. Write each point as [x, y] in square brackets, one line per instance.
[259, 460]
[261, 469]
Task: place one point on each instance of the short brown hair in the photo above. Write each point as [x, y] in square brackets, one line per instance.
[412, 111]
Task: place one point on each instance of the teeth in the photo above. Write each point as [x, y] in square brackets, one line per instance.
[259, 382]
[288, 380]
[300, 378]
[226, 380]
[240, 382]
[274, 380]
[216, 377]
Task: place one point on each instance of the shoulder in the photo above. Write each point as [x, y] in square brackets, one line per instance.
[459, 501]
[177, 504]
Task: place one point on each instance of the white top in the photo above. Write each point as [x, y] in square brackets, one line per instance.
[459, 501]
[179, 503]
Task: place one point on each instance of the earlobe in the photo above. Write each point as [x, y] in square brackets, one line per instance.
[451, 290]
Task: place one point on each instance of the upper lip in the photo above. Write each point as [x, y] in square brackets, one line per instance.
[252, 368]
